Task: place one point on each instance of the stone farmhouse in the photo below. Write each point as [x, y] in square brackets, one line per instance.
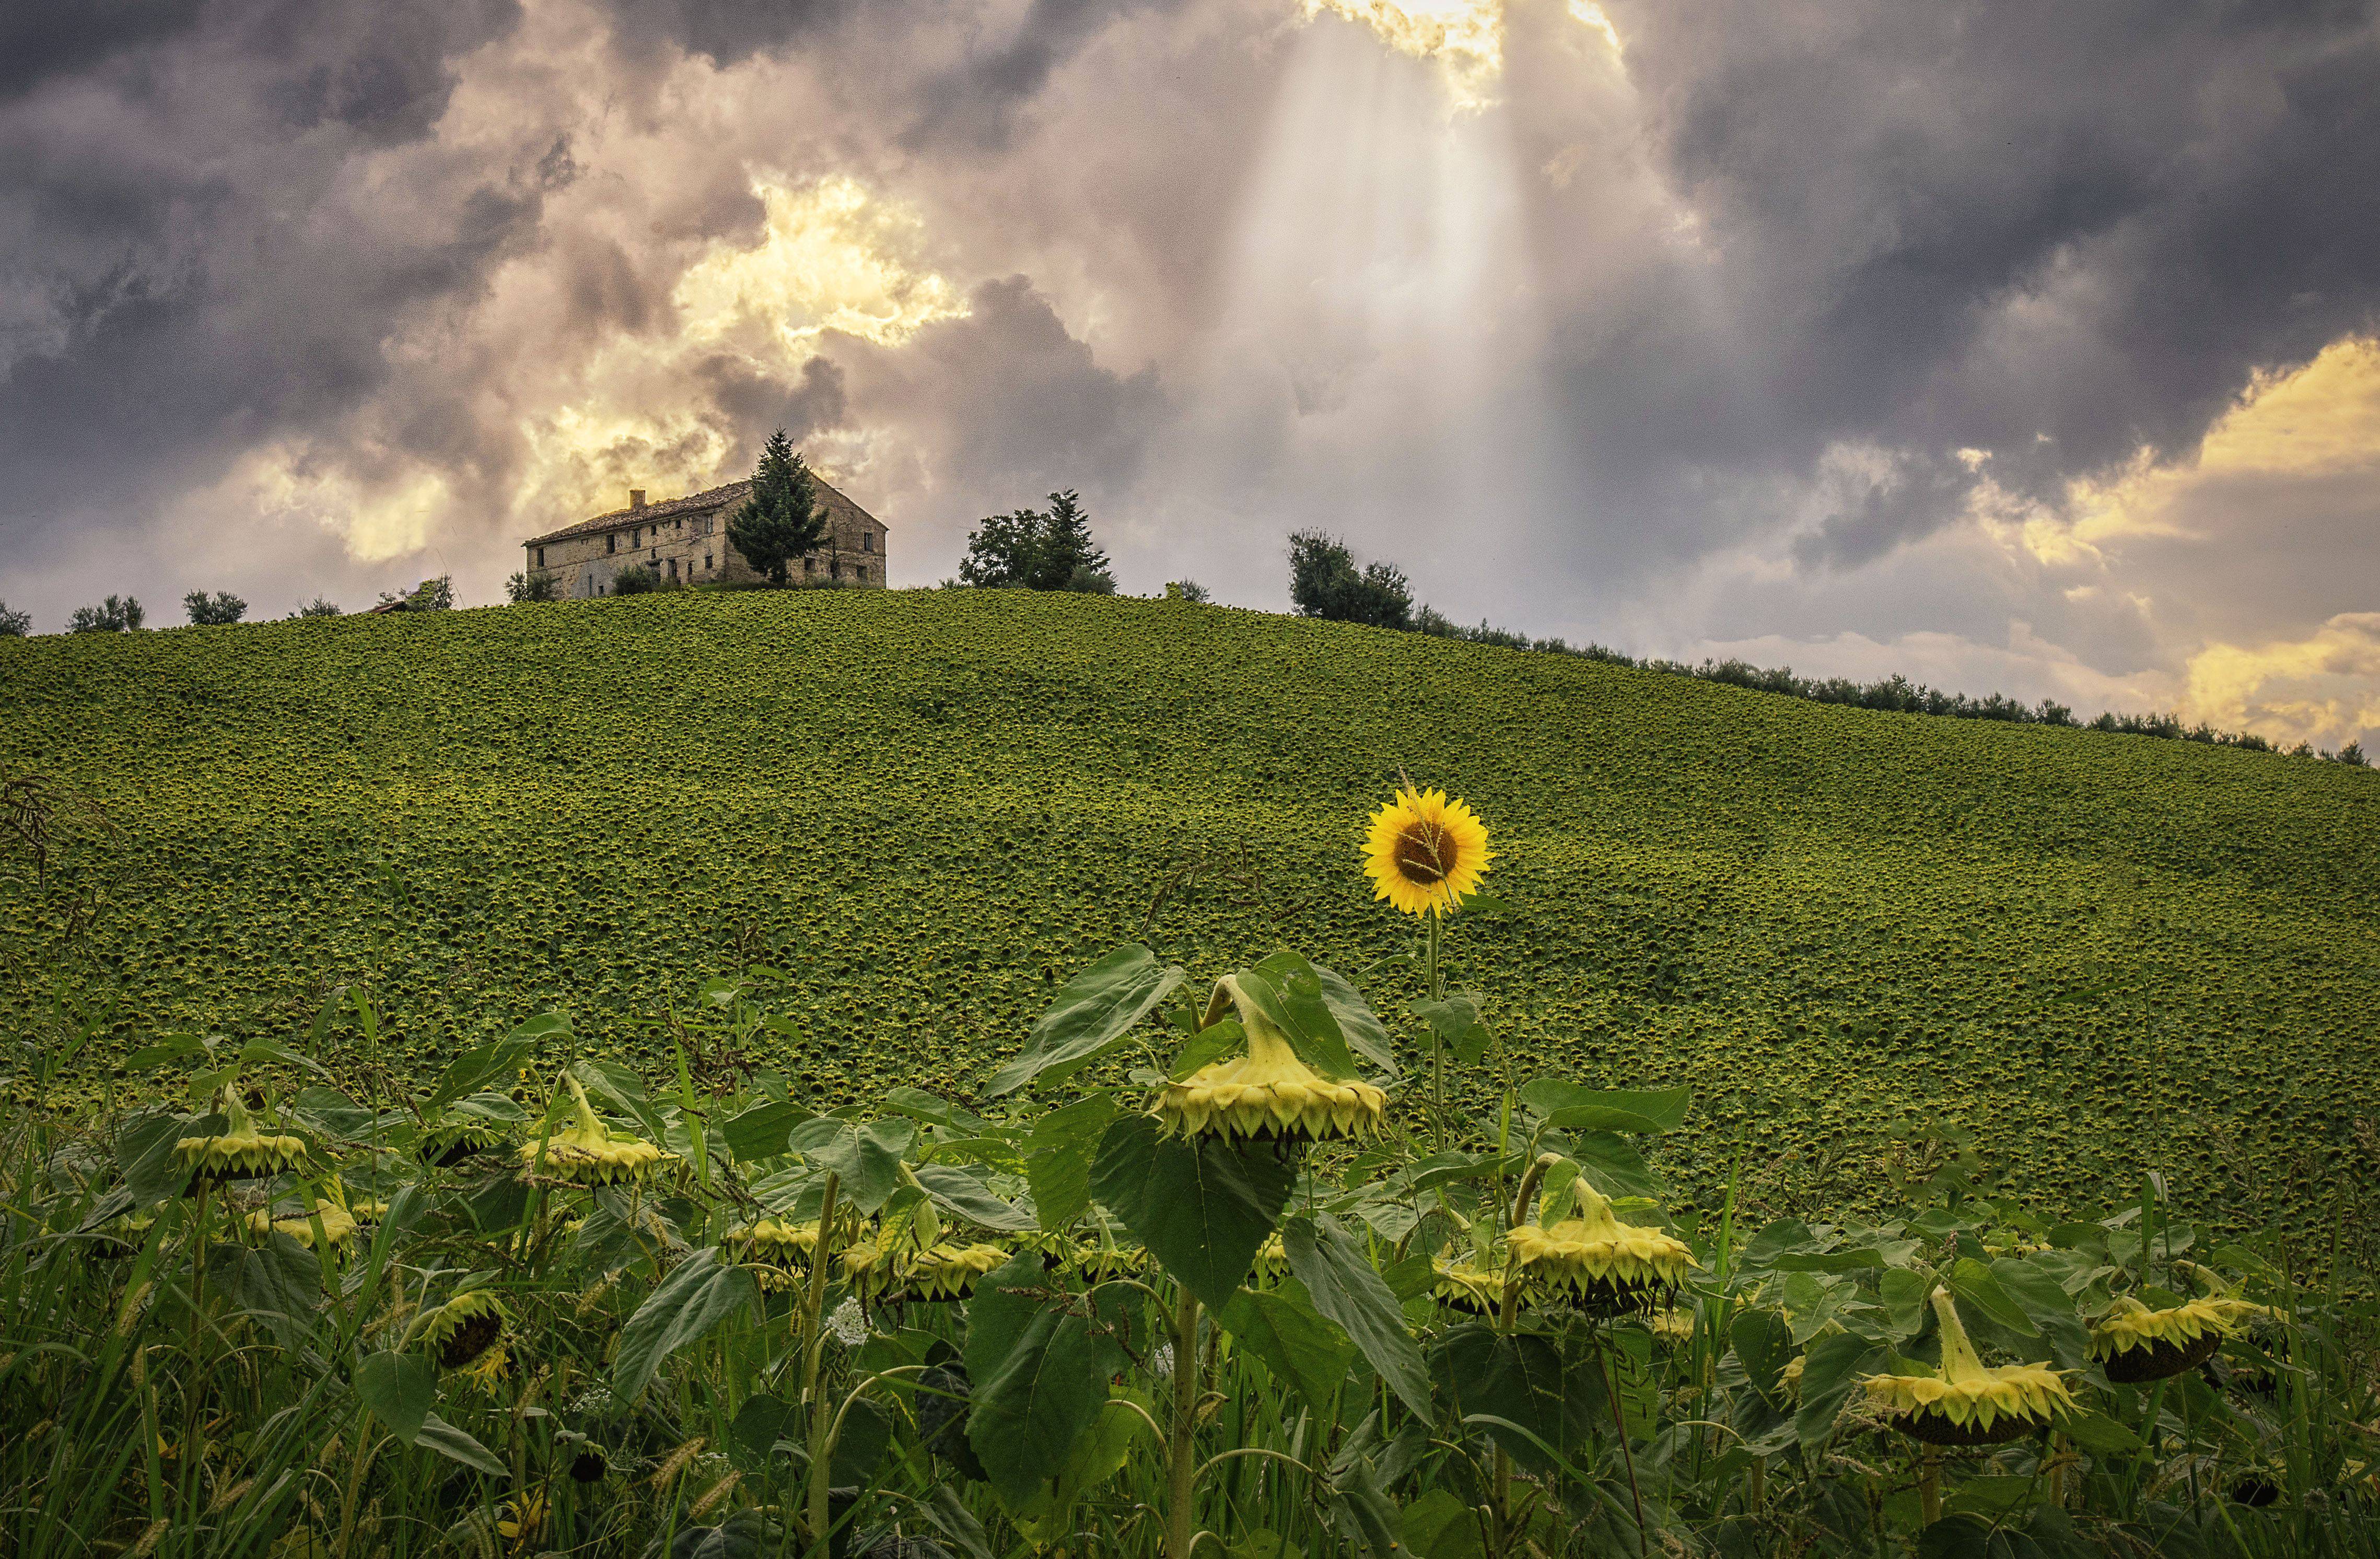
[684, 541]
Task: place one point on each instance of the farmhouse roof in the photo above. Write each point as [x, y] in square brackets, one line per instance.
[837, 507]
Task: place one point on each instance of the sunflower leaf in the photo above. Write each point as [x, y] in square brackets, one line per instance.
[1094, 1012]
[1349, 1290]
[1058, 1159]
[1454, 1019]
[1201, 1205]
[1288, 992]
[1362, 1028]
[700, 1293]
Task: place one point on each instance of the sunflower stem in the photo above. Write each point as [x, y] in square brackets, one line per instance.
[1181, 1523]
[1929, 1486]
[1437, 1040]
[813, 1351]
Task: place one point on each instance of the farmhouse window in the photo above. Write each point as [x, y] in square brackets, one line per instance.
[868, 541]
[705, 562]
[541, 557]
[611, 541]
[673, 569]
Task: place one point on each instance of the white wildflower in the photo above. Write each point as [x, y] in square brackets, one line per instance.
[848, 1324]
[1160, 1363]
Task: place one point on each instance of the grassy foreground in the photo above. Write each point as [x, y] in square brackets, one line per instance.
[2099, 953]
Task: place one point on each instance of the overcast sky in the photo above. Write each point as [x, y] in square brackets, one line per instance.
[2014, 345]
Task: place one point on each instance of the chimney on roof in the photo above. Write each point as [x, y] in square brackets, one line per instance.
[635, 497]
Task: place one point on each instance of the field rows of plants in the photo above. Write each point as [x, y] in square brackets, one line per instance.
[925, 806]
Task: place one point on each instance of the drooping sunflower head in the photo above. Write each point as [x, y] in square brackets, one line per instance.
[239, 1152]
[588, 1152]
[2138, 1345]
[1267, 1093]
[1966, 1403]
[1598, 1261]
[339, 1224]
[463, 1329]
[454, 1141]
[941, 1273]
[1424, 853]
[1465, 1286]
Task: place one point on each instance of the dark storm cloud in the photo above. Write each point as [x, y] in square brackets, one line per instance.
[978, 102]
[1975, 224]
[183, 273]
[725, 32]
[41, 42]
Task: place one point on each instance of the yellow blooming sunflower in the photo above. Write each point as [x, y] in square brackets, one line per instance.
[238, 1153]
[588, 1151]
[2138, 1345]
[1424, 853]
[1966, 1403]
[1596, 1261]
[1267, 1093]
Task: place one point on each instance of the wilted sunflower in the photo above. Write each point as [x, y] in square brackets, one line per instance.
[239, 1152]
[1271, 1258]
[2139, 1344]
[1267, 1093]
[775, 1251]
[1603, 1265]
[464, 1328]
[1100, 1263]
[339, 1224]
[1425, 852]
[1461, 1285]
[588, 1152]
[1673, 1326]
[1965, 1403]
[457, 1140]
[944, 1272]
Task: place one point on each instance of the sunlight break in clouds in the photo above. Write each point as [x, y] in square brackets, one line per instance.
[831, 258]
[1466, 37]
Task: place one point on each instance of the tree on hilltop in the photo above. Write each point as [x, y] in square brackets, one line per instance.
[1031, 549]
[117, 614]
[781, 520]
[1324, 582]
[14, 625]
[214, 612]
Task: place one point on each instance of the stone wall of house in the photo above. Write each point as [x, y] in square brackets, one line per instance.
[690, 547]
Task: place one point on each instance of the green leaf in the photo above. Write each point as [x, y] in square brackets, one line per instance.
[1569, 1107]
[1339, 1275]
[702, 1291]
[866, 1432]
[1058, 1159]
[1201, 1205]
[1832, 1368]
[1612, 1164]
[760, 1131]
[964, 1196]
[620, 1087]
[276, 1280]
[475, 1068]
[1094, 1012]
[866, 1158]
[331, 1114]
[1520, 1379]
[1974, 1282]
[759, 1425]
[1365, 1518]
[2101, 1435]
[399, 1388]
[2049, 1307]
[1209, 1045]
[455, 1446]
[1041, 1376]
[144, 1151]
[1291, 1339]
[933, 1109]
[1358, 1024]
[1286, 990]
[1764, 1346]
[265, 1051]
[1439, 1526]
[1454, 1020]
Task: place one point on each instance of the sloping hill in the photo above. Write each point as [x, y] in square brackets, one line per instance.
[925, 806]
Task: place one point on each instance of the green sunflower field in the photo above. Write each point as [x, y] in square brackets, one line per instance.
[1854, 936]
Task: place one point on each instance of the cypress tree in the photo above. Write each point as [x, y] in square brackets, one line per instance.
[781, 520]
